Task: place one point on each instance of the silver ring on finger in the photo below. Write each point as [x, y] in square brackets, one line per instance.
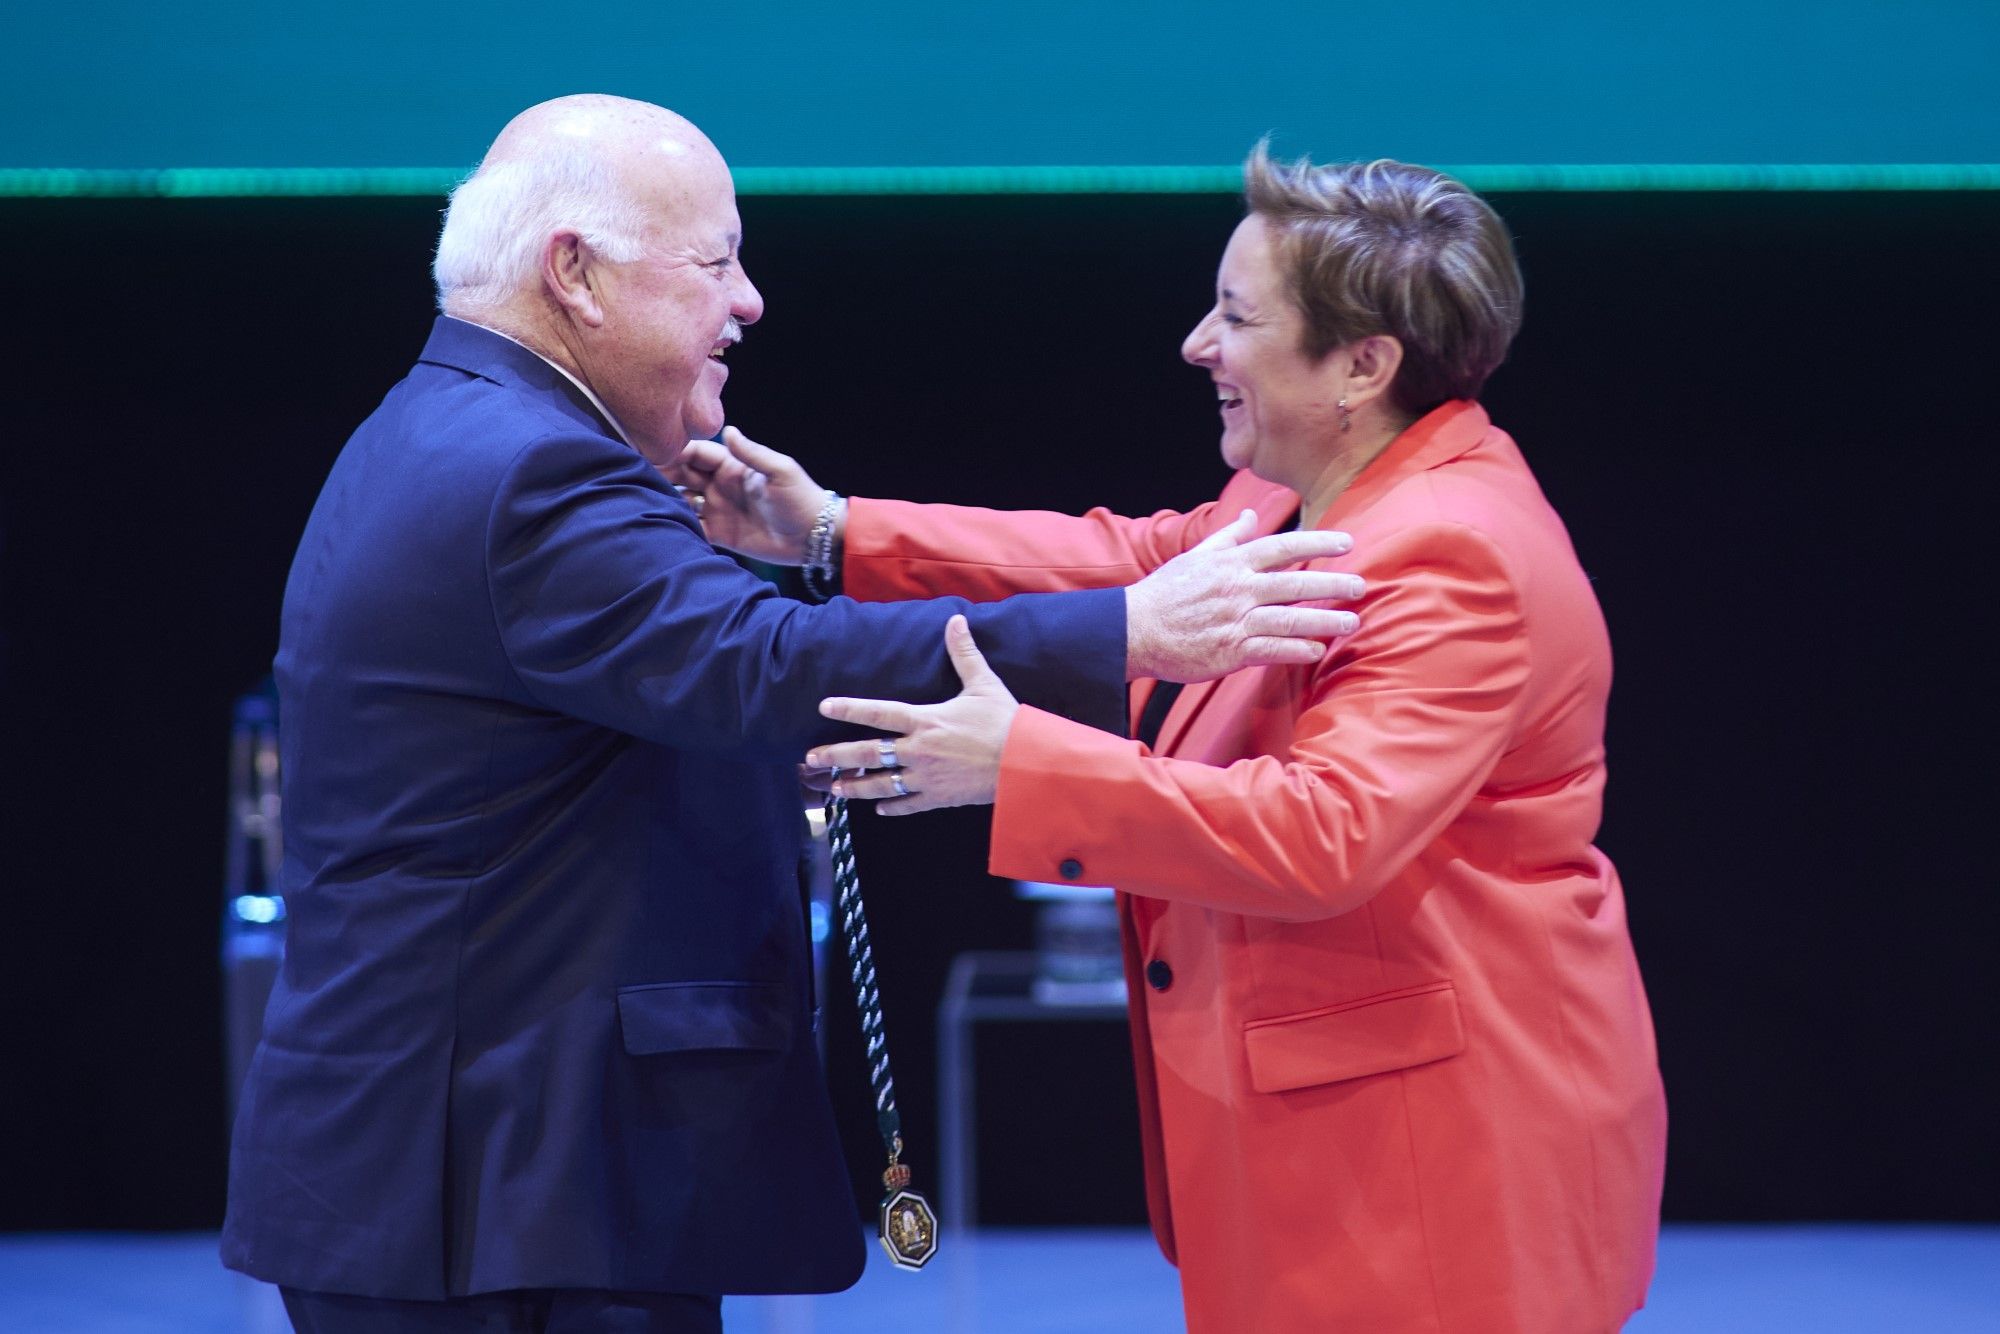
[896, 782]
[887, 749]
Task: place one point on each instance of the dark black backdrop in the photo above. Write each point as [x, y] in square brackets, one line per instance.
[1766, 418]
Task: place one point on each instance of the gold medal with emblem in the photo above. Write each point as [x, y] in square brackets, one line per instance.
[908, 1228]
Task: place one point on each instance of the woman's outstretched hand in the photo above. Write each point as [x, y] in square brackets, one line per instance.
[752, 499]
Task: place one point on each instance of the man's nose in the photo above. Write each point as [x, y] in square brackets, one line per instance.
[748, 307]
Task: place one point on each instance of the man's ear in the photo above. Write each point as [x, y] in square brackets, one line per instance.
[569, 272]
[1373, 362]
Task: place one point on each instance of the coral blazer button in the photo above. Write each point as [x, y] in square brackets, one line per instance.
[1071, 868]
[1158, 976]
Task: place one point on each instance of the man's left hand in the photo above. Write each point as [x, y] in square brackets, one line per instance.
[946, 754]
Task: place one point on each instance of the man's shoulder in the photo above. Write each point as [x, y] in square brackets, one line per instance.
[445, 447]
[476, 420]
[478, 392]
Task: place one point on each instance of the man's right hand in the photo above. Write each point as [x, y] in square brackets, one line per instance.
[1229, 603]
[753, 500]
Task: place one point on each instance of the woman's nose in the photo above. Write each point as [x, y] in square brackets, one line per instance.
[1198, 348]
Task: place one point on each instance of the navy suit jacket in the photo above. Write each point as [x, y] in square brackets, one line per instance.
[545, 1017]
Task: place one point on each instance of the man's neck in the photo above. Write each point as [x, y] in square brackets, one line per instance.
[544, 344]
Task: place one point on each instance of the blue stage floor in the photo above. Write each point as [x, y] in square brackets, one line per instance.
[1828, 1279]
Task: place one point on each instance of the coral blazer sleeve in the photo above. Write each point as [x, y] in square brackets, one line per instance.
[896, 549]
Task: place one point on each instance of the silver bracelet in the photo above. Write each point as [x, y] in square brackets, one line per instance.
[820, 560]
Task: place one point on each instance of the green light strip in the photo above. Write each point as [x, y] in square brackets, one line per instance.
[223, 182]
[434, 182]
[988, 180]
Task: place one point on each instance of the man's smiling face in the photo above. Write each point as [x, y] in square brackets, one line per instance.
[671, 315]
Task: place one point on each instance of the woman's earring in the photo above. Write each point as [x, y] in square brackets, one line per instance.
[1346, 417]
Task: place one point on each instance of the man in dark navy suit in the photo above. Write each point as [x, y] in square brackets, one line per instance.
[541, 1056]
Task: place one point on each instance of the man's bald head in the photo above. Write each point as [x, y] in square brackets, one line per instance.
[612, 127]
[603, 234]
[612, 169]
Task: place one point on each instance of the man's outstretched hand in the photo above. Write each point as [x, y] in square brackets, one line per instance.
[1229, 603]
[946, 754]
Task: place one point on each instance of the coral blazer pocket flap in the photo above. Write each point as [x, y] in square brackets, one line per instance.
[705, 1016]
[1392, 1031]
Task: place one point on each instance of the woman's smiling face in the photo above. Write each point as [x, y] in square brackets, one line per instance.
[1280, 412]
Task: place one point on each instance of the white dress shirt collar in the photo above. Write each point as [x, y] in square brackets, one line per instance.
[581, 387]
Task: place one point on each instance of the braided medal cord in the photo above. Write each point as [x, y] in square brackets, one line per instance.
[861, 961]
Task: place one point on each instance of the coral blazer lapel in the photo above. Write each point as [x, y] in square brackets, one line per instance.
[1276, 509]
[1437, 438]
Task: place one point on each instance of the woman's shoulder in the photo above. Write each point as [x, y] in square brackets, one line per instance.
[1488, 487]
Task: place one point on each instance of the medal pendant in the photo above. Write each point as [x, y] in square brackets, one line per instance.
[909, 1229]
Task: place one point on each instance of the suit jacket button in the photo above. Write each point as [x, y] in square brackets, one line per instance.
[1158, 976]
[1071, 868]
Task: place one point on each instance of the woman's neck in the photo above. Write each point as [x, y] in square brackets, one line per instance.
[1349, 459]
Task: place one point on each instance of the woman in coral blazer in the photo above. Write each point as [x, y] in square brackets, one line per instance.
[1395, 1063]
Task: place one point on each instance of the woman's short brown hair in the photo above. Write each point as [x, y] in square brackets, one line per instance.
[1388, 248]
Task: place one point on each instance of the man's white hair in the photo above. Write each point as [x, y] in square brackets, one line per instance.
[501, 216]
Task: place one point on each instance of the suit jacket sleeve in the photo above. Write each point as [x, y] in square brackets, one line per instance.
[1396, 731]
[612, 607]
[896, 549]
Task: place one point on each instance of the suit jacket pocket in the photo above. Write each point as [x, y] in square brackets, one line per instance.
[1392, 1031]
[705, 1016]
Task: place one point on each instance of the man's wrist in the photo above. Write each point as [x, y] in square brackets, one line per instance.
[1137, 640]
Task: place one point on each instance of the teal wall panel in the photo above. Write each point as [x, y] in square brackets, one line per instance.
[371, 83]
